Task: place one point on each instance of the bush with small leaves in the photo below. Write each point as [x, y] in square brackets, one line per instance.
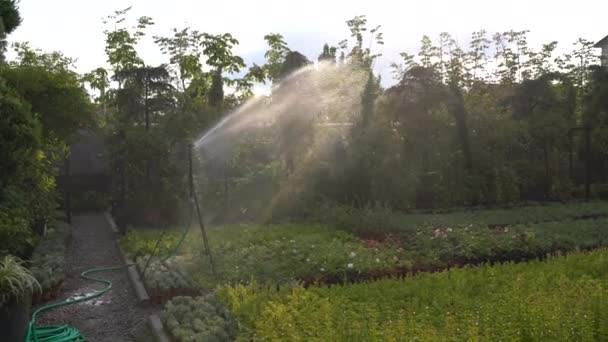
[199, 319]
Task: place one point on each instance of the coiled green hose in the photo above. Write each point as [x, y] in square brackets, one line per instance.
[65, 332]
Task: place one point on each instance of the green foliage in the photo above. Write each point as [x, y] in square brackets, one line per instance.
[10, 19]
[199, 319]
[121, 41]
[48, 260]
[163, 276]
[9, 13]
[383, 220]
[26, 175]
[275, 55]
[275, 254]
[16, 236]
[16, 281]
[54, 92]
[20, 134]
[519, 302]
[139, 242]
[150, 175]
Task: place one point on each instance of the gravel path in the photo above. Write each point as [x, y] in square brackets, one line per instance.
[113, 317]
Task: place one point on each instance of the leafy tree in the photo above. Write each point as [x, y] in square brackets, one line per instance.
[146, 94]
[293, 127]
[218, 50]
[121, 41]
[26, 178]
[275, 55]
[184, 50]
[428, 53]
[98, 80]
[477, 55]
[10, 19]
[53, 90]
[549, 110]
[328, 54]
[359, 55]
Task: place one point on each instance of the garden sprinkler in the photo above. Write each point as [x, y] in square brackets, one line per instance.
[194, 202]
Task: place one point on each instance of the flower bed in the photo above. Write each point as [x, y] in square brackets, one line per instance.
[48, 262]
[563, 298]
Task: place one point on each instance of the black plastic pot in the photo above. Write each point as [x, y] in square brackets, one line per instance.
[14, 319]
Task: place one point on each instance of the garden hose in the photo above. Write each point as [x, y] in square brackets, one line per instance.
[68, 333]
[65, 332]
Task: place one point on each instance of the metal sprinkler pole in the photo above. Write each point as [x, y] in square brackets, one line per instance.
[194, 201]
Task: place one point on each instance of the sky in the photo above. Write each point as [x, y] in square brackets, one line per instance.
[75, 26]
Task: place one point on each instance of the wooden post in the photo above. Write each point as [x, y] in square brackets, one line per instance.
[67, 204]
[587, 162]
[194, 200]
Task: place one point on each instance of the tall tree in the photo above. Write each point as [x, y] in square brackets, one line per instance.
[328, 54]
[477, 55]
[121, 41]
[275, 55]
[218, 50]
[10, 19]
[146, 94]
[184, 51]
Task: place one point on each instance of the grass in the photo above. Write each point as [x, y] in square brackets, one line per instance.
[562, 299]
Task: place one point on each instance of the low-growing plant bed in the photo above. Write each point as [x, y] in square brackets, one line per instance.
[563, 298]
[17, 284]
[198, 319]
[163, 280]
[316, 254]
[376, 223]
[48, 262]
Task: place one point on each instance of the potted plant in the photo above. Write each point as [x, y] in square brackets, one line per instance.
[17, 285]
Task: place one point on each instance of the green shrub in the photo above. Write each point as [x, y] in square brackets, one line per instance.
[48, 260]
[563, 299]
[16, 281]
[140, 242]
[375, 219]
[198, 319]
[163, 276]
[16, 235]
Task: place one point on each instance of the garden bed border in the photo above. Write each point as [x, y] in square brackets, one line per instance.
[154, 321]
[133, 275]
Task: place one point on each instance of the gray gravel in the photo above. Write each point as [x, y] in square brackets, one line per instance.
[113, 317]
